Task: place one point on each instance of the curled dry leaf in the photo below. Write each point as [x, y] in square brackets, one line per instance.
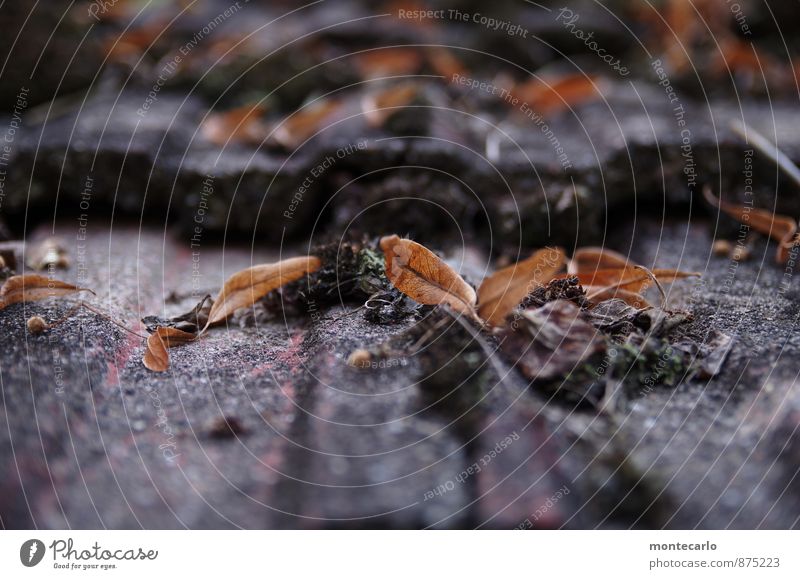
[245, 287]
[505, 289]
[156, 357]
[630, 278]
[781, 228]
[589, 259]
[602, 294]
[551, 342]
[418, 273]
[619, 278]
[242, 124]
[303, 124]
[33, 287]
[444, 62]
[379, 106]
[388, 62]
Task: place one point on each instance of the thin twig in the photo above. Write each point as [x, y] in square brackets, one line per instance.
[110, 319]
[652, 276]
[766, 147]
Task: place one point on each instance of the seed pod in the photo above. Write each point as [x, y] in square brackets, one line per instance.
[36, 325]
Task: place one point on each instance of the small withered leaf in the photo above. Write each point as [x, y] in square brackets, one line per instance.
[241, 124]
[302, 125]
[192, 321]
[444, 62]
[550, 342]
[558, 93]
[242, 289]
[381, 105]
[589, 259]
[421, 275]
[33, 287]
[388, 62]
[779, 227]
[156, 357]
[626, 283]
[602, 294]
[505, 289]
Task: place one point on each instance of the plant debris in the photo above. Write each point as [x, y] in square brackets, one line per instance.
[192, 321]
[156, 356]
[552, 341]
[781, 228]
[224, 427]
[420, 274]
[33, 287]
[242, 289]
[242, 124]
[565, 288]
[504, 290]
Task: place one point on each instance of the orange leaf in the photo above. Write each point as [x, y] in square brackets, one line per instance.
[629, 278]
[303, 124]
[779, 227]
[245, 287]
[505, 289]
[443, 62]
[379, 106]
[156, 357]
[589, 259]
[241, 124]
[556, 94]
[388, 62]
[418, 273]
[33, 287]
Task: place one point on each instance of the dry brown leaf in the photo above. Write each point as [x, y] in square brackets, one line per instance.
[156, 357]
[242, 124]
[303, 124]
[601, 294]
[629, 278]
[590, 259]
[505, 289]
[556, 94]
[779, 227]
[444, 62]
[380, 106]
[34, 287]
[245, 287]
[418, 273]
[388, 62]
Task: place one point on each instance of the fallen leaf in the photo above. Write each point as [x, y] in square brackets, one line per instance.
[629, 278]
[388, 62]
[602, 294]
[380, 106]
[589, 259]
[555, 94]
[242, 289]
[781, 228]
[505, 289]
[303, 124]
[551, 342]
[192, 321]
[156, 357]
[443, 62]
[418, 273]
[242, 124]
[34, 287]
